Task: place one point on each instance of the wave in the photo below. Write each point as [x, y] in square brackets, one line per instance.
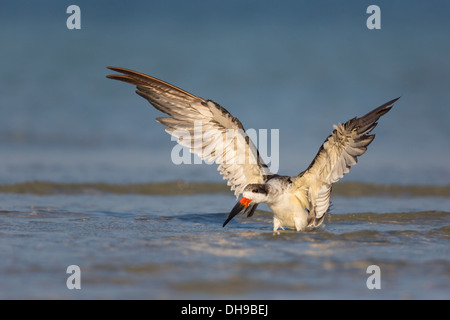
[434, 217]
[174, 188]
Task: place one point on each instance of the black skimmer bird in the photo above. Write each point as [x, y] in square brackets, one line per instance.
[298, 202]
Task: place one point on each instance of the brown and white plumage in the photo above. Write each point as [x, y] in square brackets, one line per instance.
[335, 157]
[297, 202]
[219, 129]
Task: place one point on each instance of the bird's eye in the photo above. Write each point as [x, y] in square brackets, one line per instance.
[255, 190]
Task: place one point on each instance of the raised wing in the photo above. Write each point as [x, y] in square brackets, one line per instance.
[335, 157]
[206, 128]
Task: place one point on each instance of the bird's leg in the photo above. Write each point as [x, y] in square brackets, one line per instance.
[276, 225]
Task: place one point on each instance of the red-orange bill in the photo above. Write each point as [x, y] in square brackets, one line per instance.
[245, 202]
[240, 205]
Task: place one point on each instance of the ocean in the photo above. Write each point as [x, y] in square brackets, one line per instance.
[87, 176]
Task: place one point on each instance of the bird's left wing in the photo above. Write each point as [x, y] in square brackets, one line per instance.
[335, 157]
[206, 128]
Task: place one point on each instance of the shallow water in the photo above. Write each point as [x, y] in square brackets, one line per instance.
[174, 247]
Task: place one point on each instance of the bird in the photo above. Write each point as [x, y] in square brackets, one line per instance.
[298, 202]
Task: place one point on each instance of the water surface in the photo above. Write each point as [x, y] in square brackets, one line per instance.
[174, 247]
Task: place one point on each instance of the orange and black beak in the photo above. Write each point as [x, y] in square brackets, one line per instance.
[240, 205]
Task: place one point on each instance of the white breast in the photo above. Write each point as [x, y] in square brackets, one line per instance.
[289, 212]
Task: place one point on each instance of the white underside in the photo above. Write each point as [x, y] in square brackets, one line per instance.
[288, 212]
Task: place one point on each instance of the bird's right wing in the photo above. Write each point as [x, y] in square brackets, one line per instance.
[335, 157]
[206, 128]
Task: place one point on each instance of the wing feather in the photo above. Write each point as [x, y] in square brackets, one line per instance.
[335, 157]
[203, 126]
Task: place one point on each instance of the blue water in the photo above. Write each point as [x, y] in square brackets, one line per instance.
[296, 66]
[160, 247]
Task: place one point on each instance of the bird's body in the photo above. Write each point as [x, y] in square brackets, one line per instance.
[298, 202]
[290, 207]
